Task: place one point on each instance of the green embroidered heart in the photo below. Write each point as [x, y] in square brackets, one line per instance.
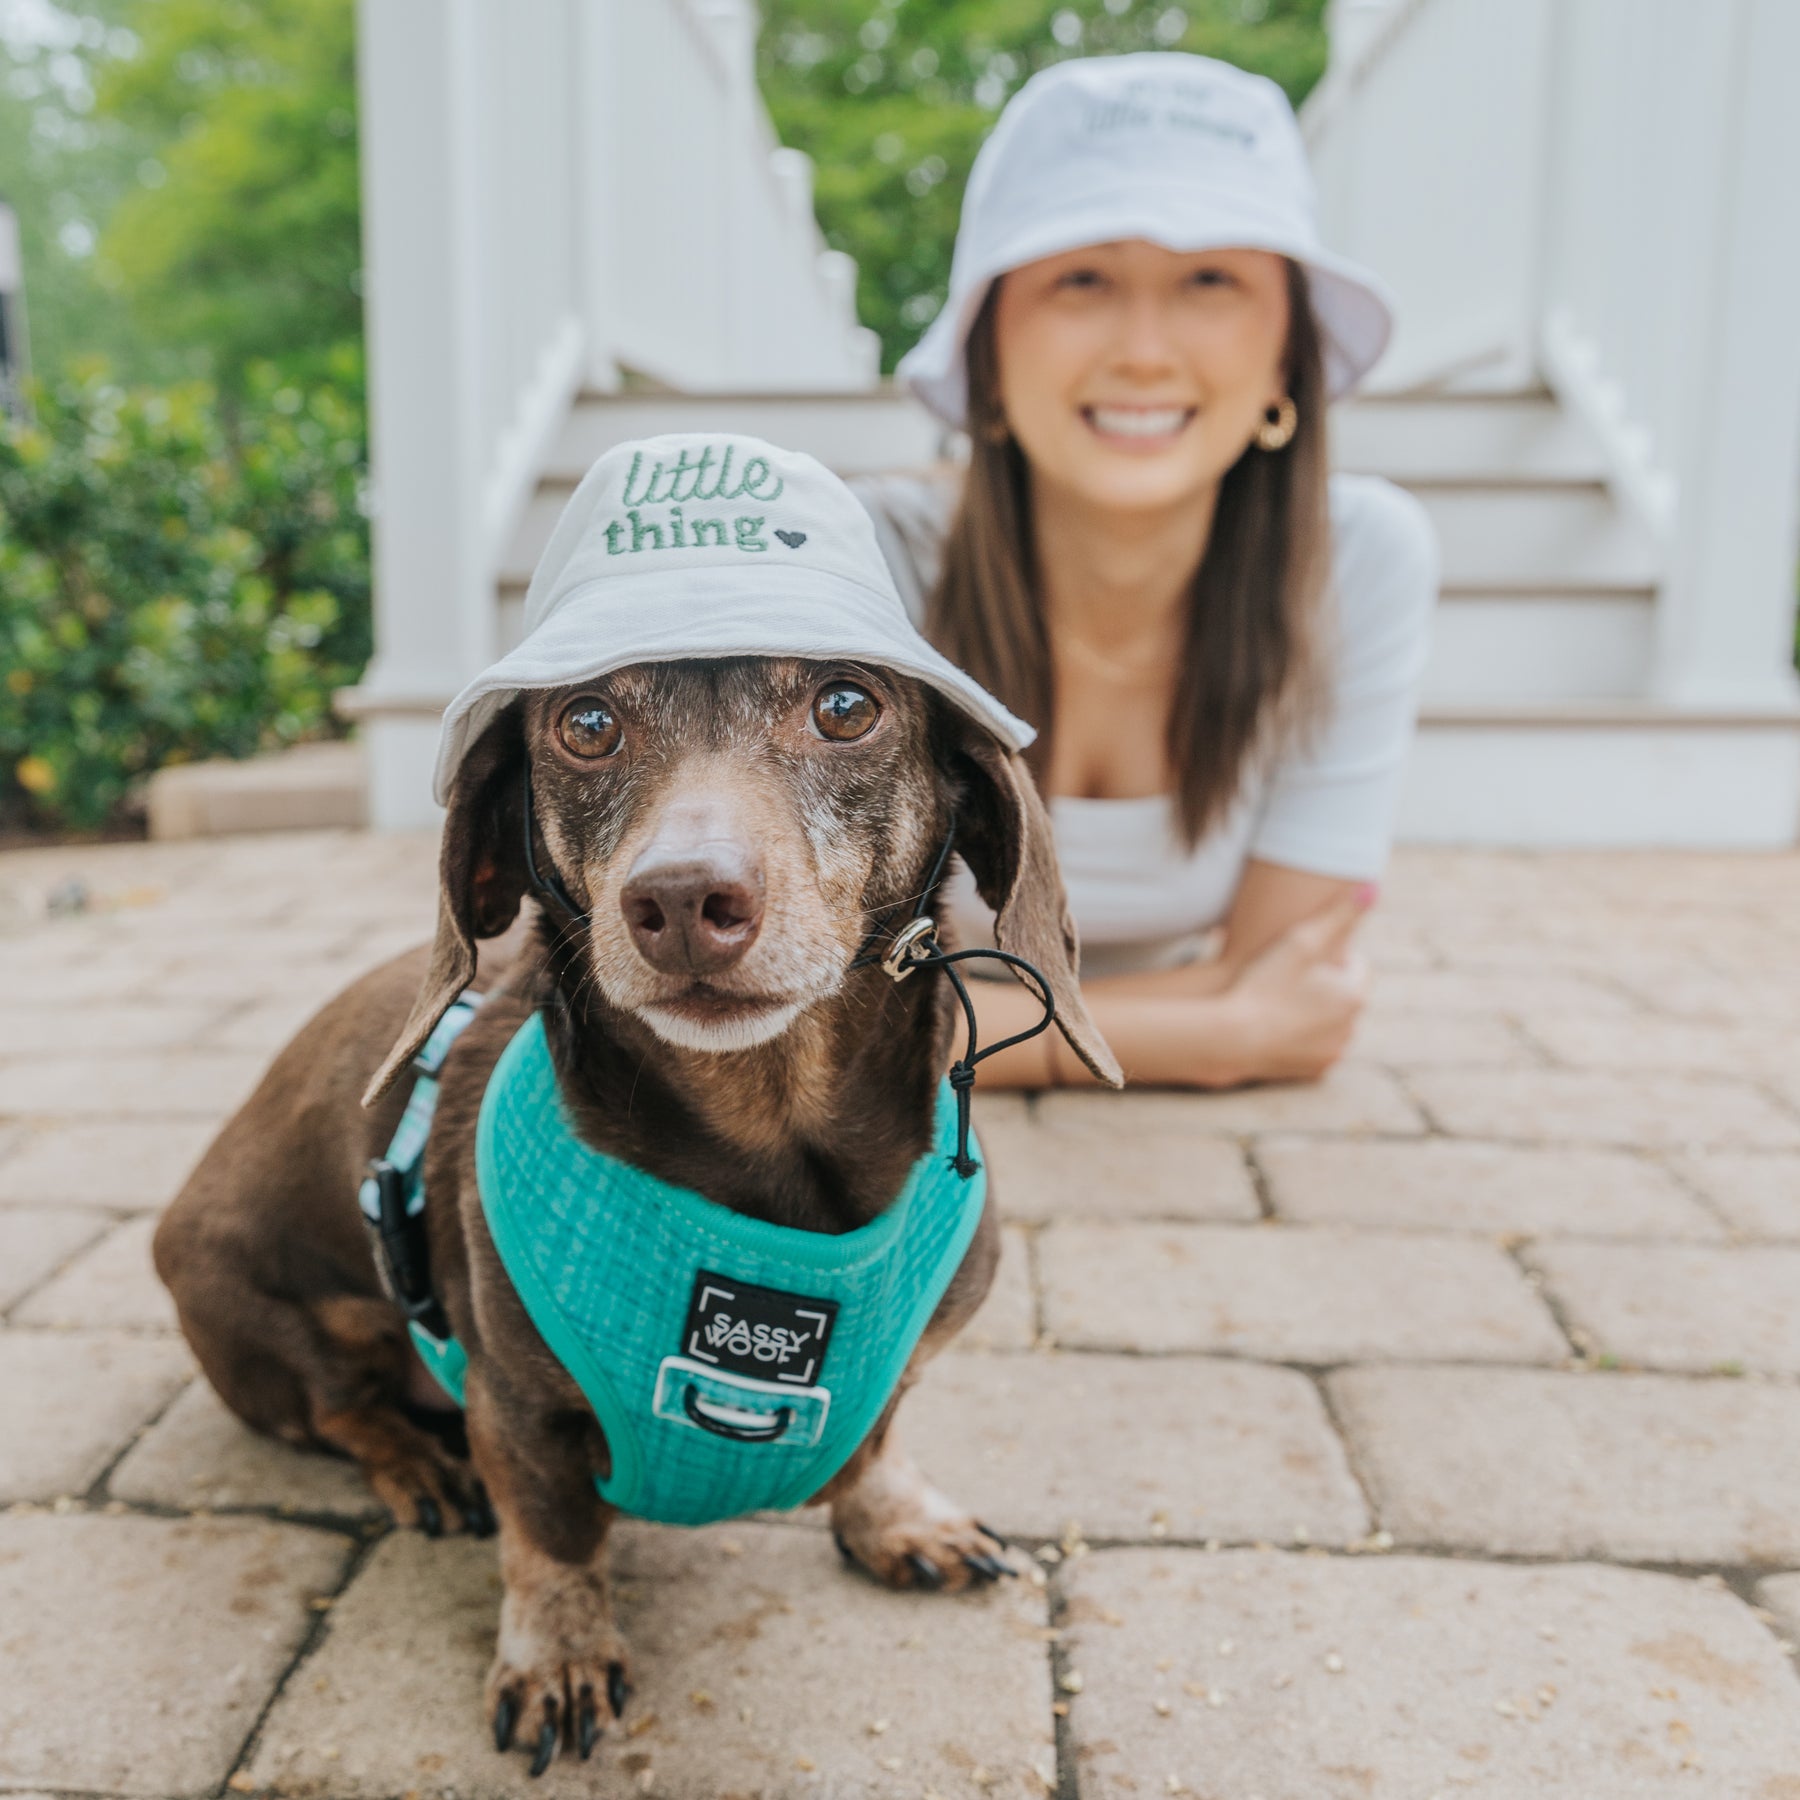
[793, 539]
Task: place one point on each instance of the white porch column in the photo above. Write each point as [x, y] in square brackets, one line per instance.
[434, 609]
[599, 166]
[1725, 619]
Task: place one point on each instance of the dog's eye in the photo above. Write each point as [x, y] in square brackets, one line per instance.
[588, 730]
[844, 713]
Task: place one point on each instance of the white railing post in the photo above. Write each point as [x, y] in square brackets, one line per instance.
[1725, 621]
[731, 25]
[434, 607]
[598, 169]
[1352, 25]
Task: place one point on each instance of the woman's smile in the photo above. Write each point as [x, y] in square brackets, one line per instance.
[1138, 428]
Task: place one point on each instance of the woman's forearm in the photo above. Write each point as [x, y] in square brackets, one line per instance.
[1186, 1040]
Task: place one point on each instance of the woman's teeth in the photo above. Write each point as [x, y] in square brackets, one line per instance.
[1138, 422]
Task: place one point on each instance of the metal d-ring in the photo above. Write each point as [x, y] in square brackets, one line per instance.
[782, 1418]
[908, 948]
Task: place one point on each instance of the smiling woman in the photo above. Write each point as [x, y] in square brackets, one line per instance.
[1218, 642]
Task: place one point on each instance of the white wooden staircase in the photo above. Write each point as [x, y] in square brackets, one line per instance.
[1585, 210]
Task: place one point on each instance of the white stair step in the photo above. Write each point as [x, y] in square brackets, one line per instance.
[1520, 438]
[1453, 439]
[851, 433]
[1490, 648]
[1550, 540]
[1486, 649]
[1538, 540]
[311, 787]
[1603, 777]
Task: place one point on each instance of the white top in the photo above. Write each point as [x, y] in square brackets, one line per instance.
[1140, 899]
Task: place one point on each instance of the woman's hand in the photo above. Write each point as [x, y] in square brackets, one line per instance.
[1296, 1002]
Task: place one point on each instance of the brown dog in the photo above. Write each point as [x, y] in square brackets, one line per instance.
[734, 830]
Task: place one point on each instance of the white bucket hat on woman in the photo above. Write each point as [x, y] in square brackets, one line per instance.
[702, 544]
[1180, 150]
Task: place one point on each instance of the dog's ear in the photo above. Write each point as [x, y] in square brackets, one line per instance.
[1003, 834]
[481, 880]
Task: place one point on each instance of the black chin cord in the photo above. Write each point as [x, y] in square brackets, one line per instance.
[915, 946]
[549, 885]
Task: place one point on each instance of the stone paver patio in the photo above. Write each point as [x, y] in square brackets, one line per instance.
[1432, 1432]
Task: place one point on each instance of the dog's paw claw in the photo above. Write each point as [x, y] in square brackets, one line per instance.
[431, 1521]
[506, 1716]
[548, 1733]
[987, 1568]
[587, 1721]
[618, 1689]
[478, 1514]
[925, 1572]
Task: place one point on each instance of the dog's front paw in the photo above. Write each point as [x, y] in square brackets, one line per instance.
[563, 1698]
[919, 1539]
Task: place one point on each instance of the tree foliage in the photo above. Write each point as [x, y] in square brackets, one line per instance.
[185, 177]
[241, 236]
[892, 98]
[63, 169]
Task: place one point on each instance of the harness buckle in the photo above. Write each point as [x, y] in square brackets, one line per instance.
[405, 1251]
[909, 948]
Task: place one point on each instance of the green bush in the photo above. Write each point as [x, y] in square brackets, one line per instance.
[176, 581]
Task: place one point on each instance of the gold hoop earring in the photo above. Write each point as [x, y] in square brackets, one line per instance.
[1280, 422]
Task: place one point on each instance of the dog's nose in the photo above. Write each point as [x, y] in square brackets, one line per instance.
[694, 912]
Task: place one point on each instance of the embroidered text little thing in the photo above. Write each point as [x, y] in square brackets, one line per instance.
[687, 479]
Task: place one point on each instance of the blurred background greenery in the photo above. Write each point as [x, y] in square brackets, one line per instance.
[183, 535]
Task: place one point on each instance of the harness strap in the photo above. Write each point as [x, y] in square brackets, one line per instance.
[392, 1194]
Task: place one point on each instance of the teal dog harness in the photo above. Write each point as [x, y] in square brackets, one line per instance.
[733, 1364]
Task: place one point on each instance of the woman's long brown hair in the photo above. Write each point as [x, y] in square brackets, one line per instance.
[1249, 675]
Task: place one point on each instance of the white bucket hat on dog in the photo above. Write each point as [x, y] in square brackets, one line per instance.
[1180, 150]
[703, 544]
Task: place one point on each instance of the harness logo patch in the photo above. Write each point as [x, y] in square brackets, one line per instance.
[759, 1331]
